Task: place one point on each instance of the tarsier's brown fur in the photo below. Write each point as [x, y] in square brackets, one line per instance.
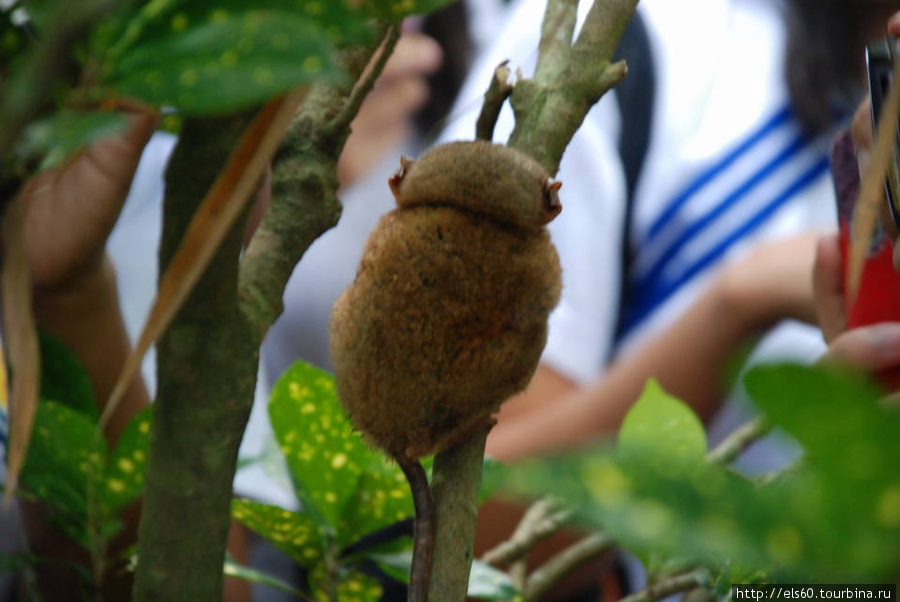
[447, 316]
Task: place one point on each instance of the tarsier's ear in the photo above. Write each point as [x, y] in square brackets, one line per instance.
[552, 206]
[395, 180]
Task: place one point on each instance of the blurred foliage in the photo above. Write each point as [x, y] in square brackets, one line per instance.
[69, 468]
[198, 57]
[834, 518]
[347, 491]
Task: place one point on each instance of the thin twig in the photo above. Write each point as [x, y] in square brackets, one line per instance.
[542, 519]
[496, 95]
[739, 440]
[871, 190]
[556, 35]
[772, 476]
[566, 561]
[366, 81]
[304, 200]
[669, 586]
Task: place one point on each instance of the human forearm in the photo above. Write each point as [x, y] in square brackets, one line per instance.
[689, 359]
[86, 317]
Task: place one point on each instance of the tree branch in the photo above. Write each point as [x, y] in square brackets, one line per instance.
[304, 201]
[566, 561]
[367, 79]
[556, 36]
[548, 112]
[455, 483]
[542, 519]
[496, 94]
[669, 586]
[551, 107]
[738, 441]
[207, 363]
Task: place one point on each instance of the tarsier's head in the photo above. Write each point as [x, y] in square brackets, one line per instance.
[481, 178]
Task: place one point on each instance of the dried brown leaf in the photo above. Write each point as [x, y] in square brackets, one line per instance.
[214, 218]
[21, 340]
[872, 191]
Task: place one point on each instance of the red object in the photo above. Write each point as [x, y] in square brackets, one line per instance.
[878, 299]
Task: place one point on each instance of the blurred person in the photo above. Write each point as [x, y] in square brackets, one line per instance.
[661, 275]
[742, 119]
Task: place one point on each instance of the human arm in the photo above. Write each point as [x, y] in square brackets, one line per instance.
[689, 359]
[384, 119]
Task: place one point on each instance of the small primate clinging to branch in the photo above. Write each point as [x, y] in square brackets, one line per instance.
[447, 316]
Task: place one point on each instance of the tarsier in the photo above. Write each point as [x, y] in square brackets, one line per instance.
[447, 316]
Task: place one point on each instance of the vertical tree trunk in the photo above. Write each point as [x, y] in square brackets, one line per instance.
[207, 363]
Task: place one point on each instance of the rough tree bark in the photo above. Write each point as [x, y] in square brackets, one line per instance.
[549, 108]
[208, 358]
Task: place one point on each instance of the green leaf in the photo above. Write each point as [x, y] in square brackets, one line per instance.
[56, 468]
[827, 519]
[492, 477]
[382, 498]
[124, 478]
[63, 378]
[325, 456]
[835, 416]
[294, 533]
[233, 569]
[659, 423]
[485, 582]
[394, 10]
[220, 61]
[61, 135]
[349, 585]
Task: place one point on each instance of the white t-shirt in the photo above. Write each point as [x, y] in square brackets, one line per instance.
[718, 81]
[727, 166]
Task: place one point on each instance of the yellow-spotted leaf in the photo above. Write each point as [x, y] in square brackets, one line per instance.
[660, 425]
[348, 586]
[383, 498]
[393, 10]
[62, 454]
[294, 533]
[124, 479]
[326, 457]
[218, 61]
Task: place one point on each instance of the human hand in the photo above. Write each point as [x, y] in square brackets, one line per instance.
[772, 283]
[384, 117]
[71, 209]
[863, 142]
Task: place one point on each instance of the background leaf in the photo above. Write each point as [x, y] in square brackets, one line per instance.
[833, 518]
[65, 132]
[294, 533]
[382, 498]
[660, 423]
[63, 378]
[123, 481]
[212, 60]
[56, 468]
[233, 569]
[351, 586]
[325, 456]
[394, 10]
[485, 582]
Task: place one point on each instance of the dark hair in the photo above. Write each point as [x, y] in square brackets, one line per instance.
[449, 28]
[822, 70]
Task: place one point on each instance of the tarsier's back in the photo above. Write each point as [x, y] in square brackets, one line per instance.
[447, 316]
